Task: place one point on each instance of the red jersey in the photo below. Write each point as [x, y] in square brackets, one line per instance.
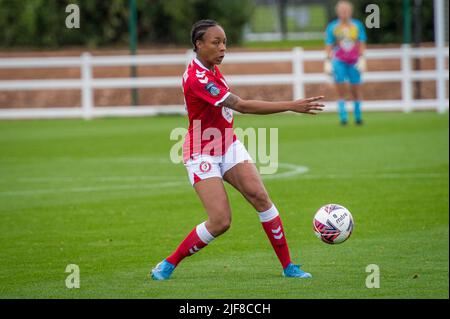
[210, 124]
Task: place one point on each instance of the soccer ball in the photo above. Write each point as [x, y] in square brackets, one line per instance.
[333, 224]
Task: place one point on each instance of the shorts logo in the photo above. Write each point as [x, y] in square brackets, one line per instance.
[205, 167]
[212, 89]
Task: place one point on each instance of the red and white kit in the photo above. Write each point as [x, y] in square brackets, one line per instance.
[210, 147]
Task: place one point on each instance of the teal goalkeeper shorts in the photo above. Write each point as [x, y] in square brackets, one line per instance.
[343, 71]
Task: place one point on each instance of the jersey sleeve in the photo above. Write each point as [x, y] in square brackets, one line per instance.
[362, 37]
[208, 90]
[329, 35]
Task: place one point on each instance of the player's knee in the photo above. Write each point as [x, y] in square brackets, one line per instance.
[261, 200]
[219, 226]
[356, 96]
[225, 225]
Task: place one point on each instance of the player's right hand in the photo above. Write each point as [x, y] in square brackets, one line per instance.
[308, 105]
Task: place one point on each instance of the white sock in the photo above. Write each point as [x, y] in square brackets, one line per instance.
[269, 214]
[204, 234]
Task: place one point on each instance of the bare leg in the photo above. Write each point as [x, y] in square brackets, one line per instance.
[355, 90]
[214, 198]
[341, 90]
[246, 179]
[215, 201]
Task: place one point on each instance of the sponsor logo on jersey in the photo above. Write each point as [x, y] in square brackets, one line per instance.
[212, 89]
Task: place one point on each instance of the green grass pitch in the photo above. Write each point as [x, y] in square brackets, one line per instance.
[104, 195]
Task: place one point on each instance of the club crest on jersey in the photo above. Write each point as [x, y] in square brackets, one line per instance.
[205, 167]
[212, 89]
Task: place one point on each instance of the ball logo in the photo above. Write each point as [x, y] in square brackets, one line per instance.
[205, 167]
[341, 218]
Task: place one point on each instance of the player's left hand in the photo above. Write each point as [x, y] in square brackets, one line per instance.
[361, 65]
[308, 106]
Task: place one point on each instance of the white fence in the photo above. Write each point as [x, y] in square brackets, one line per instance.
[87, 83]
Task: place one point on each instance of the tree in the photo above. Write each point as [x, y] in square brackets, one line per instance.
[391, 20]
[41, 23]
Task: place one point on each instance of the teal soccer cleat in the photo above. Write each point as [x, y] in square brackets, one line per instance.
[294, 271]
[163, 270]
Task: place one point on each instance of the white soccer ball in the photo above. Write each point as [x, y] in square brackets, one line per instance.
[333, 224]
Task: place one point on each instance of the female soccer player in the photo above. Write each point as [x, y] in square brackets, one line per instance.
[209, 105]
[345, 47]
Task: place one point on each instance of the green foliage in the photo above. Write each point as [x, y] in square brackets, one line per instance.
[170, 21]
[313, 44]
[41, 23]
[391, 20]
[264, 18]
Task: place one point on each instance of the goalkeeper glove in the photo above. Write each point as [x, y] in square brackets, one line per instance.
[361, 65]
[327, 67]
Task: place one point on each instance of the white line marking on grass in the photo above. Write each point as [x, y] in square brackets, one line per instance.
[94, 178]
[292, 171]
[65, 159]
[376, 176]
[88, 189]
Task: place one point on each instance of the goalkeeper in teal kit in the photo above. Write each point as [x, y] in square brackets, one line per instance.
[345, 45]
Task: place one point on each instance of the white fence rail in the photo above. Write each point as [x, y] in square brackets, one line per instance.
[298, 78]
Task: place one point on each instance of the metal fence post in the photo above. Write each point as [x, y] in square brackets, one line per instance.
[406, 78]
[298, 73]
[87, 102]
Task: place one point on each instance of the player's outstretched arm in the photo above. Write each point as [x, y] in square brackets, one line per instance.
[307, 106]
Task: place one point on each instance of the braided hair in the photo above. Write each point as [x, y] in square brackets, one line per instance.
[199, 29]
